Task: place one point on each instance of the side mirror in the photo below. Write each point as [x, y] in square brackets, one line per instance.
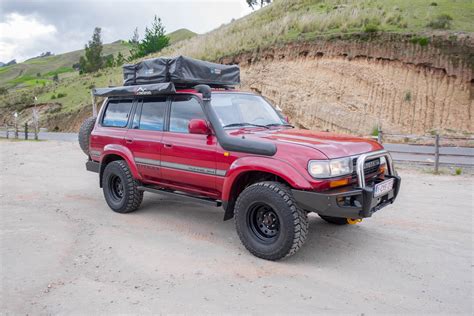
[198, 126]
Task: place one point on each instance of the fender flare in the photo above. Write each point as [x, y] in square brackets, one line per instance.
[274, 166]
[124, 153]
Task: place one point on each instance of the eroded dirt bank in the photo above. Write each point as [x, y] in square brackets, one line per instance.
[351, 85]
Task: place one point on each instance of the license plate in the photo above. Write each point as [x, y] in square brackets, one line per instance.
[383, 187]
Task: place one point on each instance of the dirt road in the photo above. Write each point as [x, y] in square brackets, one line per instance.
[64, 251]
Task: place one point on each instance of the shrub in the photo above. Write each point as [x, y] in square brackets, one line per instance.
[422, 41]
[441, 22]
[433, 4]
[61, 95]
[375, 131]
[3, 90]
[408, 96]
[458, 171]
[371, 28]
[53, 97]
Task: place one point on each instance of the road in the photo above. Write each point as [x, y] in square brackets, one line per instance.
[457, 156]
[63, 251]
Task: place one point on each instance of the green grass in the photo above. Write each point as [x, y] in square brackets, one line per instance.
[58, 71]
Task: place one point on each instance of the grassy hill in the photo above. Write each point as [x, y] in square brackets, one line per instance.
[281, 22]
[287, 21]
[180, 35]
[26, 73]
[39, 71]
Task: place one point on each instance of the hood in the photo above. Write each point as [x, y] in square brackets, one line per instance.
[330, 144]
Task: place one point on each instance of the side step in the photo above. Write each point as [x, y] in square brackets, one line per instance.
[198, 199]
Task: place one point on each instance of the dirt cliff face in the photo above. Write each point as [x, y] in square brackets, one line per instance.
[353, 85]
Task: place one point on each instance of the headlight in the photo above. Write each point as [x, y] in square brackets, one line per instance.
[330, 168]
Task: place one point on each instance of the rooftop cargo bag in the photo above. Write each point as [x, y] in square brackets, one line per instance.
[148, 71]
[183, 71]
[188, 71]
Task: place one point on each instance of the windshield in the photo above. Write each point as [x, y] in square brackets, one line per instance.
[235, 109]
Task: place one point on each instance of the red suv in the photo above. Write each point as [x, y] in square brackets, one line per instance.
[233, 149]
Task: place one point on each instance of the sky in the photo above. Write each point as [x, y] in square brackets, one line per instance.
[31, 27]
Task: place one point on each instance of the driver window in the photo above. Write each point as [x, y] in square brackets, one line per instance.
[183, 109]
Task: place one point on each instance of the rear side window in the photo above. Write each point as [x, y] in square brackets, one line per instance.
[153, 114]
[117, 113]
[183, 109]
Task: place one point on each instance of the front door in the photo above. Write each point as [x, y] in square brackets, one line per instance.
[188, 161]
[144, 138]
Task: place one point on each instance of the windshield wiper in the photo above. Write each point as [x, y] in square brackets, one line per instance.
[245, 124]
[279, 124]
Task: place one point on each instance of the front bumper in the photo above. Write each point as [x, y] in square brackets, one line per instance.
[357, 202]
[346, 202]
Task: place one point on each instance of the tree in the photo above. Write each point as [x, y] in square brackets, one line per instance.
[92, 61]
[261, 3]
[135, 38]
[120, 60]
[109, 61]
[56, 78]
[153, 41]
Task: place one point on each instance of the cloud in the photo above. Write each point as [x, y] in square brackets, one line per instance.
[20, 35]
[74, 21]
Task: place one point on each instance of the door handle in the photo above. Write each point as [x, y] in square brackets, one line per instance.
[168, 145]
[128, 140]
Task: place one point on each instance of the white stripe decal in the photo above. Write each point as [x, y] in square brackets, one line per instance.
[178, 166]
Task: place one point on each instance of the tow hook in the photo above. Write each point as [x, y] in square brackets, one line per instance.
[353, 221]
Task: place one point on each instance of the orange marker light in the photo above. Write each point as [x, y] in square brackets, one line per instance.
[338, 183]
[226, 154]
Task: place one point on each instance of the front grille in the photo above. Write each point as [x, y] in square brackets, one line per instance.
[370, 167]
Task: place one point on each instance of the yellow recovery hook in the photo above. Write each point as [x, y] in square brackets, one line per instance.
[353, 221]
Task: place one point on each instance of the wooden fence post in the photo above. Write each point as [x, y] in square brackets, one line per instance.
[436, 166]
[16, 128]
[26, 131]
[379, 135]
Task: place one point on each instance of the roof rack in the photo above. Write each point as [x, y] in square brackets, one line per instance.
[145, 89]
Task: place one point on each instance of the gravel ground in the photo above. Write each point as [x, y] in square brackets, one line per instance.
[64, 251]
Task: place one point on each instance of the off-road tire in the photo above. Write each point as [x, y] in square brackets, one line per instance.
[84, 135]
[293, 221]
[334, 220]
[131, 197]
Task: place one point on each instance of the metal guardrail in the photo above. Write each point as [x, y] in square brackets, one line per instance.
[435, 143]
[14, 131]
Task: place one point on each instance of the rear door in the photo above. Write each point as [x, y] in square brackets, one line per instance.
[112, 126]
[144, 138]
[188, 161]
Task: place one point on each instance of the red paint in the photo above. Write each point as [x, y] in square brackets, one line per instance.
[201, 151]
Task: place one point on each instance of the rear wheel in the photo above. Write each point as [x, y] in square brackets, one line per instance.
[120, 188]
[334, 220]
[268, 221]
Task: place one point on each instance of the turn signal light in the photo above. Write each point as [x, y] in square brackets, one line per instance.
[338, 183]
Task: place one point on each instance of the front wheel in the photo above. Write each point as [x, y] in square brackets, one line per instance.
[120, 188]
[268, 221]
